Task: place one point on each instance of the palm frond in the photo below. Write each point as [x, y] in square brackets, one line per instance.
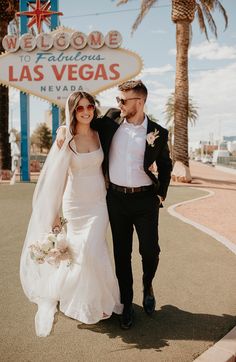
[201, 20]
[209, 3]
[122, 2]
[223, 12]
[145, 7]
[170, 109]
[206, 8]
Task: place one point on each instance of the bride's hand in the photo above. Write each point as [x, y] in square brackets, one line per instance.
[61, 136]
[56, 226]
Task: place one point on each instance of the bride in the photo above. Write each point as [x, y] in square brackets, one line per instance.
[72, 178]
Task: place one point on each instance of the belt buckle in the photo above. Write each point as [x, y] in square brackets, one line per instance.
[125, 190]
[132, 190]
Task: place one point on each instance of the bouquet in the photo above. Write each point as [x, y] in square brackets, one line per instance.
[53, 248]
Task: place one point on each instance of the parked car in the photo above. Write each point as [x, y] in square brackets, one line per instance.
[207, 159]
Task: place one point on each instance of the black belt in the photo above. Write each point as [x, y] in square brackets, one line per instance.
[130, 190]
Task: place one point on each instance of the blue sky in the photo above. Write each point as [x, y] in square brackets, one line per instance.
[212, 65]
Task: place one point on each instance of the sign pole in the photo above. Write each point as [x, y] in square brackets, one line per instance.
[24, 113]
[55, 109]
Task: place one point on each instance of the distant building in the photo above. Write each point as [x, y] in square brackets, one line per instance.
[229, 138]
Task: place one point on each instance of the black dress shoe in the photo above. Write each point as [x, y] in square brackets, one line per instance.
[127, 317]
[149, 301]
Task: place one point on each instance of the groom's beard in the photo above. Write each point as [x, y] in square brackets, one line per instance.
[129, 114]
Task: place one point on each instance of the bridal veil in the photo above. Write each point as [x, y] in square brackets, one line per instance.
[37, 279]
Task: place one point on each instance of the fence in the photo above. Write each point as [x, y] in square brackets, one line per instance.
[229, 161]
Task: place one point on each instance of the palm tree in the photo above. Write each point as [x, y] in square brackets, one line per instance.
[8, 9]
[170, 114]
[183, 13]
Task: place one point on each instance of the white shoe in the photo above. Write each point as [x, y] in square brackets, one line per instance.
[44, 318]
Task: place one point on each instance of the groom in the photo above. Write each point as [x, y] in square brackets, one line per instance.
[132, 143]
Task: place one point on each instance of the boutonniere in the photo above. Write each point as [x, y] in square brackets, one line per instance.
[151, 137]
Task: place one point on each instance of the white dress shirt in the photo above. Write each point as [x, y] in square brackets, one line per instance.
[127, 155]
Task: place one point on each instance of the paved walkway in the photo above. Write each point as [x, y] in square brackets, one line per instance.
[194, 286]
[218, 211]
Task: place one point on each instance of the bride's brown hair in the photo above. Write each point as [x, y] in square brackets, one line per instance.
[73, 102]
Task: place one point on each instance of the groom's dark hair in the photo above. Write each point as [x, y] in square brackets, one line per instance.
[135, 85]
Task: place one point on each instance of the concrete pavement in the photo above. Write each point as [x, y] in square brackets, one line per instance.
[194, 286]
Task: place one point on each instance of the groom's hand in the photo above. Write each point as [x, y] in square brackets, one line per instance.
[161, 199]
[61, 136]
[153, 167]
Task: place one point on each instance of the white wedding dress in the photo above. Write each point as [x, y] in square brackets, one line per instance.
[87, 290]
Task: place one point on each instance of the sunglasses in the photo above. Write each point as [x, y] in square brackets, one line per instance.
[123, 101]
[89, 107]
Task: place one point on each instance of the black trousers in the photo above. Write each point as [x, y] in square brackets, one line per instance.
[126, 211]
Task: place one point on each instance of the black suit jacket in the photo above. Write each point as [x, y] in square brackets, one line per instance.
[106, 127]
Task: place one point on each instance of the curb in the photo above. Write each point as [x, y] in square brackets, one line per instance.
[171, 209]
[226, 169]
[222, 351]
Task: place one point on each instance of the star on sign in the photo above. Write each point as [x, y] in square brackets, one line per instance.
[39, 14]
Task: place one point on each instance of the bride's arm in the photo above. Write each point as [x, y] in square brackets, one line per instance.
[57, 225]
[61, 136]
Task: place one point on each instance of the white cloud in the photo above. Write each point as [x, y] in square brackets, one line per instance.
[214, 92]
[157, 70]
[212, 51]
[108, 97]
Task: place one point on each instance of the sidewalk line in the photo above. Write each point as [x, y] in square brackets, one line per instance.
[223, 351]
[171, 209]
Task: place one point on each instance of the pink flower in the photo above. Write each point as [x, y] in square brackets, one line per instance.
[151, 137]
[54, 253]
[40, 260]
[52, 250]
